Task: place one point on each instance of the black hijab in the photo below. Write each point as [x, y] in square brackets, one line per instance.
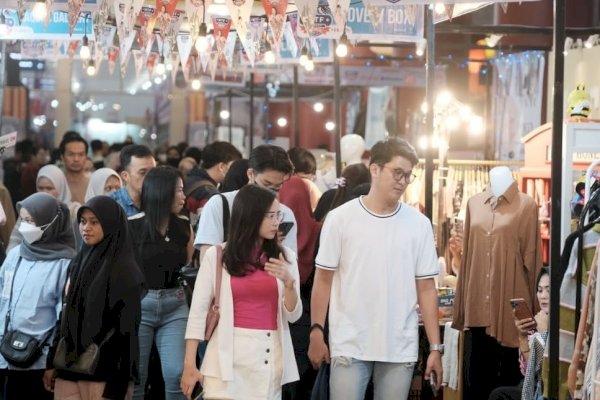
[58, 240]
[100, 277]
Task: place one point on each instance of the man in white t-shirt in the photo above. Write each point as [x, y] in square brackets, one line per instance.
[269, 166]
[376, 262]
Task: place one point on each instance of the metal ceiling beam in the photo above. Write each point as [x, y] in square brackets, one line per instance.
[460, 29]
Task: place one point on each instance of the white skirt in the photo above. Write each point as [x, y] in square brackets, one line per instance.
[257, 368]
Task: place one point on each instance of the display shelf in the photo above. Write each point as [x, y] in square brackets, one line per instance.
[581, 146]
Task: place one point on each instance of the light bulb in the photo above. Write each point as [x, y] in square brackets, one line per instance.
[196, 84]
[304, 56]
[269, 57]
[202, 40]
[84, 52]
[318, 107]
[160, 67]
[91, 68]
[342, 48]
[439, 8]
[39, 11]
[309, 65]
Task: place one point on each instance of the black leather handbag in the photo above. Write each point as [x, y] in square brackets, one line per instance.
[20, 349]
[87, 361]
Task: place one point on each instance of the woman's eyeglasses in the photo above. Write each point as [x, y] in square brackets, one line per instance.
[274, 216]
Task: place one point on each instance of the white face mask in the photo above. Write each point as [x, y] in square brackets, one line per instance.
[32, 233]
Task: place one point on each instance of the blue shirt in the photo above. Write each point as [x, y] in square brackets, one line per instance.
[36, 299]
[122, 197]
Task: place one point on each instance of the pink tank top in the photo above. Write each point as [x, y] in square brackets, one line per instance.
[255, 300]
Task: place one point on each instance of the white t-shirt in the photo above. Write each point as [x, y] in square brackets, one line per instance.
[210, 227]
[376, 259]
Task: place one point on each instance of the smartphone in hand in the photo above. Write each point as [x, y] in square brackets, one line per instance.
[522, 311]
[285, 228]
[433, 383]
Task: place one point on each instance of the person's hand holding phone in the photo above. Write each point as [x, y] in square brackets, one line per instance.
[524, 320]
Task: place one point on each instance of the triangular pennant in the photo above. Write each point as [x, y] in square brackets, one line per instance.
[230, 48]
[449, 11]
[186, 68]
[163, 15]
[113, 54]
[20, 10]
[125, 46]
[504, 7]
[49, 11]
[339, 10]
[138, 60]
[249, 48]
[374, 13]
[72, 48]
[240, 11]
[221, 27]
[184, 47]
[307, 10]
[120, 8]
[275, 10]
[56, 46]
[290, 40]
[151, 62]
[143, 18]
[124, 66]
[212, 65]
[174, 65]
[101, 15]
[106, 36]
[149, 46]
[176, 22]
[98, 55]
[74, 9]
[205, 56]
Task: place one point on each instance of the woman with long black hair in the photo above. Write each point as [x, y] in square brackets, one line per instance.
[250, 354]
[164, 241]
[102, 307]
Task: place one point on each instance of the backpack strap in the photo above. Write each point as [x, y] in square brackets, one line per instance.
[225, 217]
[197, 185]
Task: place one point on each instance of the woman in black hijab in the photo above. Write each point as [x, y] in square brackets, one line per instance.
[102, 306]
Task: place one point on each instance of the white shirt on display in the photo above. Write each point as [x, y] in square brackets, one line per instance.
[376, 259]
[210, 227]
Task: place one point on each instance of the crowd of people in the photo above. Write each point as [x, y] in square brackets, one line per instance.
[91, 274]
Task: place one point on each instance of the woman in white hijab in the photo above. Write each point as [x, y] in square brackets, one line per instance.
[51, 180]
[102, 182]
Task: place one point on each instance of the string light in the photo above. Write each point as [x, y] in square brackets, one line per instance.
[91, 68]
[84, 52]
[202, 39]
[304, 56]
[160, 67]
[196, 83]
[420, 48]
[342, 48]
[269, 54]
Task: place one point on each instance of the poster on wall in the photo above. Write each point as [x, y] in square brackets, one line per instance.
[517, 91]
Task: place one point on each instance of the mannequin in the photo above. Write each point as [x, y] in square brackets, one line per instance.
[500, 180]
[501, 260]
[352, 148]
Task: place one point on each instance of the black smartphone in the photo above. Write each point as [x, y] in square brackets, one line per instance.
[433, 383]
[285, 228]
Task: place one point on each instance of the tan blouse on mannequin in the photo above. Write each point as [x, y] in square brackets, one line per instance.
[501, 260]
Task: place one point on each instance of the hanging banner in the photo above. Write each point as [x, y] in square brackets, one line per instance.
[124, 66]
[106, 36]
[229, 49]
[112, 55]
[57, 5]
[239, 11]
[143, 18]
[275, 10]
[458, 10]
[184, 47]
[138, 60]
[307, 10]
[100, 16]
[185, 69]
[221, 26]
[339, 9]
[57, 29]
[74, 10]
[427, 2]
[151, 62]
[99, 55]
[399, 23]
[163, 16]
[413, 77]
[174, 65]
[196, 14]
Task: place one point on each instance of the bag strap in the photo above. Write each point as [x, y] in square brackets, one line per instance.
[197, 185]
[12, 284]
[225, 217]
[218, 275]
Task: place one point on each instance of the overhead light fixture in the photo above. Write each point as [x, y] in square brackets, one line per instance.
[329, 126]
[439, 8]
[342, 47]
[91, 68]
[310, 64]
[420, 47]
[568, 45]
[591, 41]
[282, 122]
[492, 40]
[160, 67]
[40, 10]
[84, 52]
[196, 83]
[269, 54]
[224, 114]
[303, 56]
[318, 107]
[202, 39]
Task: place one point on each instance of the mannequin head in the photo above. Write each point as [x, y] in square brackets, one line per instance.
[352, 147]
[500, 179]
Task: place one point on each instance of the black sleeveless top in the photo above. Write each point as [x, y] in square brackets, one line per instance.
[162, 259]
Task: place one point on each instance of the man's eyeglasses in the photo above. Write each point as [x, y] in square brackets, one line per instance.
[400, 174]
[274, 216]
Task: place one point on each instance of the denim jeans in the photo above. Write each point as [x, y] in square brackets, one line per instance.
[349, 379]
[164, 319]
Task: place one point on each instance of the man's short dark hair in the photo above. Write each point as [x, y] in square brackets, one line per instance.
[268, 156]
[71, 137]
[304, 161]
[193, 152]
[133, 150]
[96, 145]
[383, 151]
[219, 152]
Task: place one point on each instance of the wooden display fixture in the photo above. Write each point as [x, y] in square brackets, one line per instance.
[581, 146]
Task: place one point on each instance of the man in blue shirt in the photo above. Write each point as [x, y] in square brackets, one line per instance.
[136, 161]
